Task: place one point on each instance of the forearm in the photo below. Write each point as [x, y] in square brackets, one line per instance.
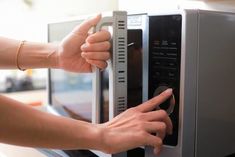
[25, 126]
[31, 54]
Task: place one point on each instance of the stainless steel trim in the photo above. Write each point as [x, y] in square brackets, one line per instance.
[96, 98]
[145, 58]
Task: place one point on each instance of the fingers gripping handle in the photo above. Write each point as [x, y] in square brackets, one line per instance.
[96, 85]
[117, 71]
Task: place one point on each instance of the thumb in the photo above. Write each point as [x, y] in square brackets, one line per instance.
[87, 25]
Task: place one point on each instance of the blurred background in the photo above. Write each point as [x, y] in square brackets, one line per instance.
[27, 20]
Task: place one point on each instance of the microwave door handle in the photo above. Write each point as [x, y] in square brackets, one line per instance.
[96, 95]
[96, 82]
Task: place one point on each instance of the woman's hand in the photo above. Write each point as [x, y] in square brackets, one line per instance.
[79, 51]
[138, 126]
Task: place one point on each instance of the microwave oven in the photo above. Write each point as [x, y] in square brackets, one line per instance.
[191, 51]
[184, 50]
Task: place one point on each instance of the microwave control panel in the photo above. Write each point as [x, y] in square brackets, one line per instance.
[164, 65]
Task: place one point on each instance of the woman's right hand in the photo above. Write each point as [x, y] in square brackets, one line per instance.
[138, 126]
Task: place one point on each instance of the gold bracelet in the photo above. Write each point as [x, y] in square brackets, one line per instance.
[18, 53]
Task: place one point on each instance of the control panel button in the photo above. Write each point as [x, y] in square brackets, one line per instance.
[169, 104]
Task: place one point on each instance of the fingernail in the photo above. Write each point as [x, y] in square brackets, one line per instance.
[169, 90]
[84, 45]
[83, 54]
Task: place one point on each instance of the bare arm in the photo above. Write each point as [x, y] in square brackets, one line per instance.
[31, 55]
[25, 126]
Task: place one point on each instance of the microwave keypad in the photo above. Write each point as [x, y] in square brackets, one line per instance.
[164, 64]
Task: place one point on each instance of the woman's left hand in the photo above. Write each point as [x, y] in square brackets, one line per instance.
[79, 51]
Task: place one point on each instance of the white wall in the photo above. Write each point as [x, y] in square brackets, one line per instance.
[220, 5]
[29, 23]
[153, 5]
[57, 8]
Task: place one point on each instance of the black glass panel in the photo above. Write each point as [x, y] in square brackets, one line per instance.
[80, 153]
[134, 70]
[164, 62]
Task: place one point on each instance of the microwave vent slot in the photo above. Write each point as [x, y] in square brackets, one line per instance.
[121, 24]
[121, 50]
[121, 104]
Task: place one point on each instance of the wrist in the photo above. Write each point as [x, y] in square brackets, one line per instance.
[53, 56]
[99, 138]
[38, 55]
[104, 139]
[88, 136]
